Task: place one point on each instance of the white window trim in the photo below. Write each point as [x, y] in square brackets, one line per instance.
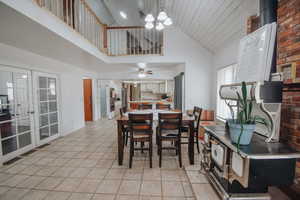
[224, 114]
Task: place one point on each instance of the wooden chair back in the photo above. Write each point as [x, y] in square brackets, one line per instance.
[123, 110]
[140, 122]
[197, 114]
[160, 106]
[169, 121]
[145, 106]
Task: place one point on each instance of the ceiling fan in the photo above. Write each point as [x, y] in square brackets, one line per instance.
[142, 72]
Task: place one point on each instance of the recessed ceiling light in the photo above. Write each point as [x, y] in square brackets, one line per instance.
[123, 15]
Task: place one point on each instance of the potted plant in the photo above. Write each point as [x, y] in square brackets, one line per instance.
[241, 129]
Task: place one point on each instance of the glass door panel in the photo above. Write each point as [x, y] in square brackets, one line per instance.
[48, 123]
[16, 120]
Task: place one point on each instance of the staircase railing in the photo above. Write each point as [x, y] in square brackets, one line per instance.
[114, 41]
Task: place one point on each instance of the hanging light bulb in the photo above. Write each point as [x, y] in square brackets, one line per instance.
[149, 25]
[149, 18]
[159, 26]
[168, 22]
[162, 16]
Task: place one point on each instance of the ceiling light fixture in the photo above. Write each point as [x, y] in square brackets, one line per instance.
[142, 65]
[159, 26]
[123, 15]
[149, 25]
[162, 16]
[142, 75]
[168, 22]
[149, 18]
[161, 19]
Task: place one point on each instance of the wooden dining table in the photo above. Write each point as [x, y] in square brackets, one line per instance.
[187, 121]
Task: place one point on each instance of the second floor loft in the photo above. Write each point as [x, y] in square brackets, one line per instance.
[111, 40]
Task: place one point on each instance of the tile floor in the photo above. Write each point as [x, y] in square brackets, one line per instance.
[83, 166]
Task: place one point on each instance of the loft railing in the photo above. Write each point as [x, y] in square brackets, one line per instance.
[114, 41]
[79, 16]
[133, 40]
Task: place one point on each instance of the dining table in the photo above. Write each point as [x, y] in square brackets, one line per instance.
[187, 121]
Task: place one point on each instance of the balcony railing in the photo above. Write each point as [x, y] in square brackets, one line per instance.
[79, 16]
[114, 41]
[133, 41]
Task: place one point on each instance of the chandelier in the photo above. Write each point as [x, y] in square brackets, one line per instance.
[160, 21]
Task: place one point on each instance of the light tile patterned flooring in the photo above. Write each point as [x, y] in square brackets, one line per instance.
[83, 166]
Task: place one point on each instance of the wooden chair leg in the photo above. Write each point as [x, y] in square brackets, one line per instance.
[156, 138]
[160, 151]
[176, 147]
[179, 152]
[197, 142]
[150, 151]
[131, 153]
[126, 138]
[142, 146]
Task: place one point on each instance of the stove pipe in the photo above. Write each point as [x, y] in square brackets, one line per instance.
[268, 14]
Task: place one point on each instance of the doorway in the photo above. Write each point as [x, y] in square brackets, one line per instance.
[47, 107]
[16, 112]
[88, 99]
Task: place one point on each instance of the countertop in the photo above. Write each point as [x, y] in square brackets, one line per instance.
[257, 149]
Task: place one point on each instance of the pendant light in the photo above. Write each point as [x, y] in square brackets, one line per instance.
[168, 22]
[149, 18]
[162, 16]
[159, 26]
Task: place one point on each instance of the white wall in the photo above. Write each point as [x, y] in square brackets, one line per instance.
[72, 110]
[179, 48]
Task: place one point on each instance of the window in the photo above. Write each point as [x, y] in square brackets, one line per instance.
[225, 75]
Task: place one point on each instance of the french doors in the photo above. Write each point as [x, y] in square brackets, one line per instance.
[47, 107]
[16, 112]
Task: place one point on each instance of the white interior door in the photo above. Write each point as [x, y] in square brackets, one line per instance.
[47, 107]
[16, 112]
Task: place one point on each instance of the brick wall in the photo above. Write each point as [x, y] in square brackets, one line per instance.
[288, 51]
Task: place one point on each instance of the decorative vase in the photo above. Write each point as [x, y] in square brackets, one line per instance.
[235, 131]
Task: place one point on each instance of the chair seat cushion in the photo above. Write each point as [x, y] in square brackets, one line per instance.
[169, 133]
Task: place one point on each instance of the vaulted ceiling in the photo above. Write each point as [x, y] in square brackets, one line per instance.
[211, 22]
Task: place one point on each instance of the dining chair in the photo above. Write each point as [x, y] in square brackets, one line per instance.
[125, 128]
[197, 114]
[140, 128]
[169, 129]
[161, 106]
[145, 106]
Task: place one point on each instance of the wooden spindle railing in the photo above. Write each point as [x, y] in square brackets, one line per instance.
[114, 41]
[134, 40]
[79, 16]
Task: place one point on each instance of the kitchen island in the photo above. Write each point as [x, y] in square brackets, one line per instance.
[135, 104]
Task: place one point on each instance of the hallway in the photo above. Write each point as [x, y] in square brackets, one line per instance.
[83, 166]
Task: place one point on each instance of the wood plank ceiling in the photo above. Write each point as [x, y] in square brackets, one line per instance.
[212, 22]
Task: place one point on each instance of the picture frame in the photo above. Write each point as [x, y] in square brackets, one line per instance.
[288, 71]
